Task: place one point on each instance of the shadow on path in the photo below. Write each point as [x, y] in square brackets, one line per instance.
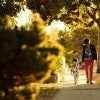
[79, 92]
[67, 90]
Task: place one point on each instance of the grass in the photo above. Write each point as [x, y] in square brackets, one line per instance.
[47, 93]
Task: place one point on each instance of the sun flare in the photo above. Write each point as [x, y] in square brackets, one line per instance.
[24, 17]
[56, 26]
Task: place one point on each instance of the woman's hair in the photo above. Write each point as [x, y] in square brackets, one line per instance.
[86, 41]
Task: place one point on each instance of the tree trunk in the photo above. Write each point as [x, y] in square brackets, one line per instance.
[98, 24]
[98, 64]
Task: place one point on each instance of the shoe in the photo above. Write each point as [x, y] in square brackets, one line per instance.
[91, 83]
[75, 83]
[87, 82]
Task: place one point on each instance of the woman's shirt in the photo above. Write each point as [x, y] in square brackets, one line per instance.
[93, 52]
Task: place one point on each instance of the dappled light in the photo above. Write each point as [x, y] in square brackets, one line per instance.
[24, 17]
[56, 26]
[39, 39]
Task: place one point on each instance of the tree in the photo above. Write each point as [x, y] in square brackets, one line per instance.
[81, 12]
[23, 60]
[73, 41]
[92, 9]
[72, 12]
[25, 55]
[10, 7]
[48, 9]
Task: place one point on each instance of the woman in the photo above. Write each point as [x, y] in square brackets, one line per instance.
[88, 56]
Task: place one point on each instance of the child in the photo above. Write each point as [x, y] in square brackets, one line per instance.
[75, 69]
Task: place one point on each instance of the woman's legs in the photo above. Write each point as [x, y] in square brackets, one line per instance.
[89, 70]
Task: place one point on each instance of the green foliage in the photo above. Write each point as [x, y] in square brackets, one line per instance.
[81, 11]
[73, 42]
[74, 10]
[25, 92]
[48, 9]
[9, 7]
[25, 56]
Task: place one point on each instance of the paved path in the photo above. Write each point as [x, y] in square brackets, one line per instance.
[81, 91]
